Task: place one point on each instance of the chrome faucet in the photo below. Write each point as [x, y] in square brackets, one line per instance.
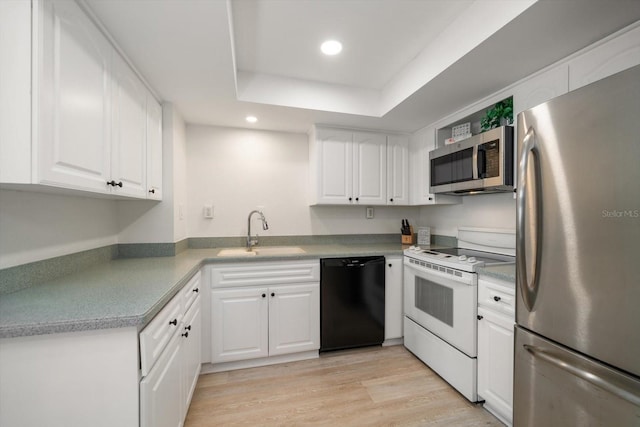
[252, 242]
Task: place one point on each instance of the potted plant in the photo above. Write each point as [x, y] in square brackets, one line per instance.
[499, 115]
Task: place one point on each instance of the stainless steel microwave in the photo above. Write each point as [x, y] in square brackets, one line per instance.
[477, 165]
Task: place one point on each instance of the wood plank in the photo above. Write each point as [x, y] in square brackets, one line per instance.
[368, 386]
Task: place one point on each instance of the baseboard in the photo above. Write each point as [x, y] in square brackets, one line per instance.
[209, 368]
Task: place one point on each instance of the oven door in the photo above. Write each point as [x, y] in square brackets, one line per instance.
[444, 301]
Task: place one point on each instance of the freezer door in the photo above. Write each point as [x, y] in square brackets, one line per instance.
[557, 387]
[578, 218]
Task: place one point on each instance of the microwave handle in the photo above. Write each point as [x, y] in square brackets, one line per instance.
[475, 162]
[481, 162]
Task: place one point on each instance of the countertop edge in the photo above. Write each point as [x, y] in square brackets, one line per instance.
[140, 320]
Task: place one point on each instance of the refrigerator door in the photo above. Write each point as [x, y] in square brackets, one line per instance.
[578, 220]
[558, 387]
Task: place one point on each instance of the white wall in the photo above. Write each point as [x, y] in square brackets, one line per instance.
[35, 226]
[487, 210]
[144, 221]
[237, 170]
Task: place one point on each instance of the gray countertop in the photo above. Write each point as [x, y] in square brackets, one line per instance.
[130, 292]
[506, 272]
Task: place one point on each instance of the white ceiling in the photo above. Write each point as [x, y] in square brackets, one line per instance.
[405, 63]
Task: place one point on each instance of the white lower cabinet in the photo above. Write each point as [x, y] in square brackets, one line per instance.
[260, 322]
[261, 310]
[170, 371]
[393, 310]
[495, 347]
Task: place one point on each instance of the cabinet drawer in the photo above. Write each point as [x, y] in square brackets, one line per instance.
[267, 273]
[154, 338]
[191, 291]
[496, 296]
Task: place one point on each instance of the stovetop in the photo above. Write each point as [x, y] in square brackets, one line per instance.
[459, 258]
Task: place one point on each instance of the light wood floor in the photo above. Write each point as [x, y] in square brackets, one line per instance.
[375, 386]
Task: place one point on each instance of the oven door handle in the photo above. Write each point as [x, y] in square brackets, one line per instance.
[528, 221]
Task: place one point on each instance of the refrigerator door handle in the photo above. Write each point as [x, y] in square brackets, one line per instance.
[612, 382]
[528, 285]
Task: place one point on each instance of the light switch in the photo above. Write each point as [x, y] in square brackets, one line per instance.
[208, 211]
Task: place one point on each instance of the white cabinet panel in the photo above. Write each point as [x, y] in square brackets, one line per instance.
[495, 363]
[154, 149]
[393, 304]
[541, 88]
[160, 391]
[74, 116]
[421, 143]
[609, 58]
[370, 166]
[294, 318]
[191, 347]
[129, 137]
[333, 162]
[240, 328]
[157, 334]
[397, 170]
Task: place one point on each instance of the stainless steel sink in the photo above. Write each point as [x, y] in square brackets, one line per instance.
[266, 250]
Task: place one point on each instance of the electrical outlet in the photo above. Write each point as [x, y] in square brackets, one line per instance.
[208, 211]
[369, 213]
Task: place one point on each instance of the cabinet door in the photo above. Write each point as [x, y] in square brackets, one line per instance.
[334, 167]
[239, 324]
[397, 170]
[370, 168]
[73, 106]
[129, 140]
[154, 149]
[191, 341]
[393, 298]
[422, 142]
[294, 318]
[495, 362]
[160, 391]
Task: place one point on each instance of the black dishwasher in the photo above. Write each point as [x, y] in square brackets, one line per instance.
[351, 302]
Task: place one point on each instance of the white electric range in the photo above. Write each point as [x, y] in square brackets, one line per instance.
[441, 302]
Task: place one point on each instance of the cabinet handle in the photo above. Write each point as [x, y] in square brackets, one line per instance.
[497, 298]
[273, 294]
[391, 200]
[186, 335]
[187, 328]
[174, 322]
[357, 198]
[152, 191]
[350, 198]
[119, 184]
[480, 317]
[112, 182]
[196, 290]
[390, 265]
[430, 198]
[264, 295]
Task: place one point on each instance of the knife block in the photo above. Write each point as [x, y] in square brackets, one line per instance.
[408, 239]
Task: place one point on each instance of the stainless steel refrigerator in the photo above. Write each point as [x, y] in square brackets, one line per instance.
[577, 344]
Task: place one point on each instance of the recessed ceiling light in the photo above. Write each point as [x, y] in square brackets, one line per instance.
[251, 119]
[331, 47]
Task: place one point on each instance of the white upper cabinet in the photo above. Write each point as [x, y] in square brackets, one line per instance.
[154, 148]
[397, 170]
[541, 88]
[369, 168]
[82, 125]
[129, 138]
[331, 167]
[73, 99]
[357, 168]
[421, 143]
